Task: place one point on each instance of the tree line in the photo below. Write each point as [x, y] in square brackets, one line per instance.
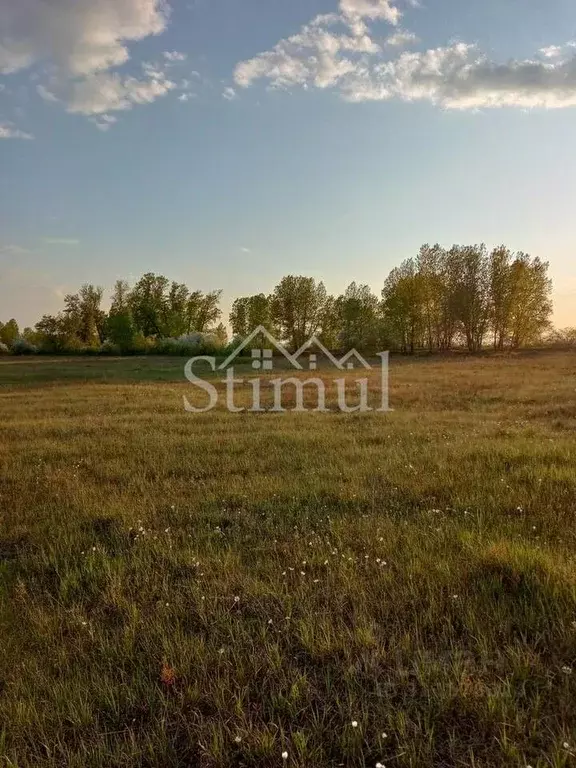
[436, 301]
[465, 296]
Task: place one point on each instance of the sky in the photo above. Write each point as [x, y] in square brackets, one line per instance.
[226, 143]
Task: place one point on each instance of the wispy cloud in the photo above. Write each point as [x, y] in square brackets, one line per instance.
[175, 57]
[401, 39]
[13, 249]
[106, 92]
[61, 241]
[9, 131]
[104, 122]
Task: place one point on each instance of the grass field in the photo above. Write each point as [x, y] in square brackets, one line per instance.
[312, 590]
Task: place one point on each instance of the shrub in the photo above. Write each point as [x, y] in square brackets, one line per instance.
[24, 347]
[4, 350]
[178, 347]
[142, 345]
[109, 348]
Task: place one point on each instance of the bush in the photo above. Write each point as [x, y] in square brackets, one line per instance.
[177, 347]
[4, 350]
[24, 347]
[142, 345]
[191, 345]
[109, 348]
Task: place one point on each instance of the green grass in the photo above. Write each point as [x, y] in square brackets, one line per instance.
[212, 590]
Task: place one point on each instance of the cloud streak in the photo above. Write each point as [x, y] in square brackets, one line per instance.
[9, 131]
[61, 241]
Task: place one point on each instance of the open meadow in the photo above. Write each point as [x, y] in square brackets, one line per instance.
[303, 590]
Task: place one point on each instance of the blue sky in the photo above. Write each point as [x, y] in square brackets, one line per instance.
[226, 143]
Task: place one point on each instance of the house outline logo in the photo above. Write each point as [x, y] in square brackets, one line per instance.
[260, 356]
[263, 359]
[267, 335]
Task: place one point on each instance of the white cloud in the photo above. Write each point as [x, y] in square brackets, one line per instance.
[370, 9]
[229, 94]
[12, 249]
[81, 40]
[184, 97]
[311, 57]
[61, 241]
[174, 57]
[104, 122]
[458, 76]
[401, 39]
[78, 36]
[314, 55]
[8, 131]
[552, 52]
[44, 93]
[106, 92]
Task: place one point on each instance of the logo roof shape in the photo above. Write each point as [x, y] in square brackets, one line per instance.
[315, 340]
[257, 331]
[354, 353]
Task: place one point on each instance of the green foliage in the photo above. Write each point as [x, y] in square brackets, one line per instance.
[359, 319]
[444, 298]
[437, 301]
[120, 330]
[296, 309]
[249, 312]
[110, 348]
[9, 332]
[24, 347]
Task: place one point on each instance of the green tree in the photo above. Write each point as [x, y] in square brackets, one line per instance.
[239, 316]
[58, 333]
[501, 295]
[358, 312]
[9, 332]
[296, 309]
[202, 311]
[248, 312]
[175, 311]
[469, 267]
[221, 335]
[403, 307]
[531, 303]
[149, 305]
